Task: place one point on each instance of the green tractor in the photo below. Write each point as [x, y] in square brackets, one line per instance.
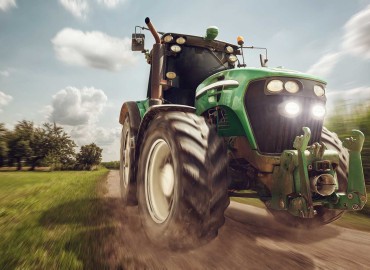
[212, 127]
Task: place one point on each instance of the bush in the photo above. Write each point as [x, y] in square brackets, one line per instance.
[113, 165]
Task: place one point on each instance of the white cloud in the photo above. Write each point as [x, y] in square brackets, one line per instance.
[92, 49]
[110, 3]
[86, 134]
[73, 107]
[4, 100]
[7, 4]
[78, 8]
[78, 110]
[4, 73]
[325, 65]
[108, 139]
[356, 39]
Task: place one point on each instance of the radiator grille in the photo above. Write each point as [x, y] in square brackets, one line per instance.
[274, 132]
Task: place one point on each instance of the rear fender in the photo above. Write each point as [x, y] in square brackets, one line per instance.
[132, 110]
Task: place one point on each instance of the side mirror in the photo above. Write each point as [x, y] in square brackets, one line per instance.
[138, 42]
[263, 61]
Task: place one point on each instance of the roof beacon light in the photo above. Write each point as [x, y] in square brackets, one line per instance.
[240, 40]
[211, 33]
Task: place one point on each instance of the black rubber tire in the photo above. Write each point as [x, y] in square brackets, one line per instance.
[200, 195]
[128, 191]
[324, 215]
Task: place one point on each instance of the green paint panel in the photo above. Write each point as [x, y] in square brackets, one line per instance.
[143, 106]
[233, 97]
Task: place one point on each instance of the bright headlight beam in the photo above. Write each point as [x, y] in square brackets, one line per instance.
[292, 108]
[318, 111]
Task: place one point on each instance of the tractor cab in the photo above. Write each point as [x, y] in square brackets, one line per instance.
[188, 61]
[182, 62]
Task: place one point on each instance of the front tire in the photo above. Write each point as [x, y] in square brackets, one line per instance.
[182, 181]
[324, 215]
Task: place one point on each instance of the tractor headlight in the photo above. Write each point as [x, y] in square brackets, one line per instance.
[319, 90]
[171, 75]
[168, 38]
[275, 86]
[292, 108]
[232, 58]
[291, 87]
[229, 49]
[180, 40]
[175, 48]
[318, 111]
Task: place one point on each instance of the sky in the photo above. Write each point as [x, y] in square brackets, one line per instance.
[70, 61]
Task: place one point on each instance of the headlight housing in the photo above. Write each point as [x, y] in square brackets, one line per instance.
[180, 40]
[168, 38]
[175, 48]
[319, 90]
[229, 49]
[171, 75]
[291, 87]
[275, 86]
[232, 58]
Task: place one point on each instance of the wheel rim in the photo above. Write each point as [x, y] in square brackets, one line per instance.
[125, 160]
[159, 181]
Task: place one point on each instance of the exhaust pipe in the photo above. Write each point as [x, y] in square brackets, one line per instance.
[152, 30]
[323, 184]
[157, 66]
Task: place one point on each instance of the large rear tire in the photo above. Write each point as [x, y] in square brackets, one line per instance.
[127, 160]
[182, 181]
[324, 215]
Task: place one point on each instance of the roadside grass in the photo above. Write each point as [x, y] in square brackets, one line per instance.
[353, 220]
[48, 218]
[24, 168]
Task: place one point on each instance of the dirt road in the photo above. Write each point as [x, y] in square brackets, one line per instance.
[250, 239]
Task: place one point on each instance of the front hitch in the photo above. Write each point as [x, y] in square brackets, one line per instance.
[355, 198]
[296, 191]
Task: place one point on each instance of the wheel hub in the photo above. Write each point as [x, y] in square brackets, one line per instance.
[159, 181]
[167, 179]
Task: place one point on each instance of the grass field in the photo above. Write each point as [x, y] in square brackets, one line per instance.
[59, 220]
[47, 219]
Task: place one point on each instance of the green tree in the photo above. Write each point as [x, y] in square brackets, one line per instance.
[19, 141]
[89, 155]
[3, 144]
[52, 145]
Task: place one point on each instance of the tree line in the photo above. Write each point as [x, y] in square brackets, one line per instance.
[48, 145]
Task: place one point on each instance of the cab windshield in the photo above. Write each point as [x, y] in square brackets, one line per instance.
[193, 65]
